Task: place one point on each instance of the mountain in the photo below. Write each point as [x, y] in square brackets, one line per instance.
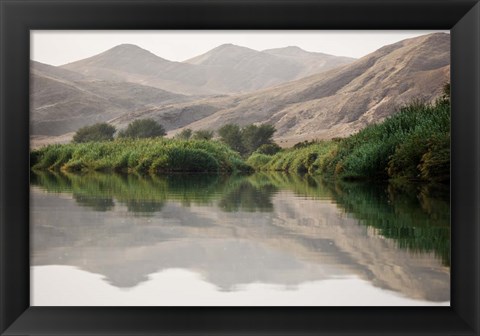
[334, 103]
[55, 73]
[329, 104]
[236, 69]
[229, 55]
[223, 70]
[247, 69]
[62, 101]
[130, 63]
[312, 62]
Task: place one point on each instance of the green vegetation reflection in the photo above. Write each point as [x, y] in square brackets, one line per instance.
[148, 193]
[417, 217]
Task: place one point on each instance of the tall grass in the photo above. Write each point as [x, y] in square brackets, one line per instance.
[413, 144]
[302, 160]
[141, 155]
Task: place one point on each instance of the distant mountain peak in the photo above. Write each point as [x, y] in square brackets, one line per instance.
[294, 48]
[128, 48]
[231, 48]
[226, 45]
[287, 51]
[230, 45]
[221, 53]
[123, 56]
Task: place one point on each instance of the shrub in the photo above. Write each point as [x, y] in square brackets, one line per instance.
[248, 139]
[185, 160]
[394, 147]
[300, 160]
[142, 128]
[254, 136]
[258, 160]
[202, 135]
[435, 163]
[96, 132]
[404, 162]
[269, 149]
[231, 135]
[304, 144]
[185, 134]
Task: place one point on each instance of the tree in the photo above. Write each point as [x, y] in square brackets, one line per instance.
[269, 149]
[185, 134]
[202, 135]
[254, 136]
[143, 128]
[231, 134]
[96, 132]
[246, 140]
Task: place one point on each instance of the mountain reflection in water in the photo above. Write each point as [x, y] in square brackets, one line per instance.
[273, 235]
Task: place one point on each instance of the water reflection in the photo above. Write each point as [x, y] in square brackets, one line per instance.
[246, 196]
[418, 220]
[234, 231]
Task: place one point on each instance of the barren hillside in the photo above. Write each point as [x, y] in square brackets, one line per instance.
[331, 104]
[62, 101]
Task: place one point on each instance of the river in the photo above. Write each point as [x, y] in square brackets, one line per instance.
[216, 240]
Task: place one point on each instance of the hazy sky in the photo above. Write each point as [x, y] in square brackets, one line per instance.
[60, 47]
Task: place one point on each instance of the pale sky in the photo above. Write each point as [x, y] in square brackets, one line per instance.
[60, 47]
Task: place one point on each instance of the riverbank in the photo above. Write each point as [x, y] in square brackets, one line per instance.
[157, 155]
[411, 145]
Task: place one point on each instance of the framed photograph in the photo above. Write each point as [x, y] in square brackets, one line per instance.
[229, 167]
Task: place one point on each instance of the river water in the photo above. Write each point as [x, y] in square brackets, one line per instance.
[215, 240]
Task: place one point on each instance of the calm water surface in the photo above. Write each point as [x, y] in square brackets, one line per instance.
[265, 239]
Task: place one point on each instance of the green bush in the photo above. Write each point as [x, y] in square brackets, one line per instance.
[304, 144]
[247, 139]
[96, 132]
[185, 134]
[268, 149]
[404, 162]
[202, 135]
[258, 160]
[412, 144]
[393, 148]
[231, 135]
[435, 163]
[185, 160]
[142, 128]
[304, 159]
[254, 136]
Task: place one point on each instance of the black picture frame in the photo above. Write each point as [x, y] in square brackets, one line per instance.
[18, 17]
